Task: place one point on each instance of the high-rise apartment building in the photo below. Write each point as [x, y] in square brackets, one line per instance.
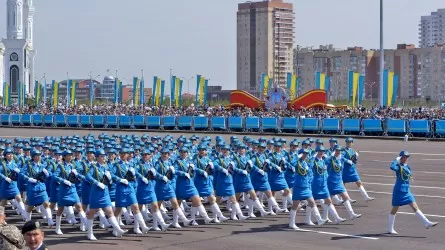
[432, 29]
[265, 39]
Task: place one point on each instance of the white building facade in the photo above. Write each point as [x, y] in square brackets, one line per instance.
[432, 29]
[18, 59]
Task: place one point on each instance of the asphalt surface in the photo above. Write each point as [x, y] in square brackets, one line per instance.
[367, 232]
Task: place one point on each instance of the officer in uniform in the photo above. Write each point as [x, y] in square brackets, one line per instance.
[34, 235]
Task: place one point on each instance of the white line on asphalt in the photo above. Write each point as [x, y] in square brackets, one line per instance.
[425, 172]
[415, 195]
[337, 234]
[433, 159]
[429, 215]
[377, 175]
[386, 184]
[382, 161]
[364, 170]
[396, 153]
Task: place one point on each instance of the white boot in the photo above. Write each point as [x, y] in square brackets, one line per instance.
[325, 214]
[391, 220]
[337, 201]
[186, 222]
[58, 221]
[202, 211]
[285, 202]
[117, 230]
[256, 203]
[273, 205]
[165, 215]
[365, 194]
[83, 221]
[138, 217]
[185, 205]
[334, 213]
[160, 221]
[351, 213]
[127, 216]
[216, 211]
[250, 209]
[193, 211]
[233, 214]
[317, 216]
[28, 216]
[103, 220]
[175, 219]
[292, 215]
[49, 216]
[238, 211]
[427, 223]
[308, 220]
[145, 213]
[228, 205]
[90, 230]
[70, 215]
[136, 228]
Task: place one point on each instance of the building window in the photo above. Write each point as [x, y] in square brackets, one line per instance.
[337, 63]
[14, 78]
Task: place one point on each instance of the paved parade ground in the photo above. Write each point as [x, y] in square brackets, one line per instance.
[368, 232]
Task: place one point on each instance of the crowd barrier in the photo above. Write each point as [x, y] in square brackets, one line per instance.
[391, 127]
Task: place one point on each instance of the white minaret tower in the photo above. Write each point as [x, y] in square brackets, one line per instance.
[19, 52]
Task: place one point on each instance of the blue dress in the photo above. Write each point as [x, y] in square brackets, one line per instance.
[185, 188]
[289, 174]
[54, 185]
[203, 184]
[301, 188]
[319, 181]
[260, 182]
[112, 188]
[99, 198]
[335, 175]
[36, 192]
[83, 169]
[401, 194]
[145, 193]
[224, 183]
[164, 190]
[242, 181]
[21, 162]
[277, 180]
[67, 195]
[8, 190]
[125, 194]
[350, 173]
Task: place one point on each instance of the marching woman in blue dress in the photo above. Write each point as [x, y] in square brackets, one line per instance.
[224, 185]
[124, 174]
[165, 191]
[350, 173]
[260, 180]
[83, 169]
[277, 179]
[66, 175]
[320, 187]
[9, 173]
[243, 183]
[302, 191]
[145, 193]
[35, 174]
[335, 180]
[402, 195]
[185, 187]
[54, 185]
[100, 178]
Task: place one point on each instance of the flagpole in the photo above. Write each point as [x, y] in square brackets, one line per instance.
[91, 89]
[170, 85]
[142, 92]
[382, 54]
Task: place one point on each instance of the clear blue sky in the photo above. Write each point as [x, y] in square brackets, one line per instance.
[193, 36]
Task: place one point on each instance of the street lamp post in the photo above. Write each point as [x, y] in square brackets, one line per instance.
[188, 84]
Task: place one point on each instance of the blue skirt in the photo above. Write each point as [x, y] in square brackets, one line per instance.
[125, 195]
[164, 191]
[54, 193]
[277, 181]
[99, 198]
[336, 188]
[204, 185]
[112, 191]
[36, 193]
[243, 184]
[145, 193]
[67, 196]
[320, 192]
[185, 189]
[400, 198]
[9, 190]
[260, 182]
[301, 193]
[290, 179]
[22, 183]
[86, 187]
[350, 176]
[224, 185]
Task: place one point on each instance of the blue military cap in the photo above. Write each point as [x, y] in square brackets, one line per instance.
[112, 151]
[241, 146]
[67, 152]
[270, 142]
[100, 152]
[333, 140]
[256, 142]
[404, 153]
[227, 147]
[165, 151]
[263, 145]
[27, 148]
[183, 149]
[90, 151]
[282, 140]
[8, 151]
[303, 151]
[294, 143]
[78, 150]
[146, 152]
[202, 147]
[349, 139]
[305, 142]
[338, 148]
[220, 144]
[320, 148]
[319, 141]
[35, 152]
[125, 151]
[58, 152]
[278, 144]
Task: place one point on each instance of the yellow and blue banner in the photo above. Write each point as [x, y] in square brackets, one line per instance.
[322, 81]
[6, 94]
[136, 95]
[265, 84]
[361, 89]
[92, 92]
[37, 93]
[142, 91]
[390, 88]
[356, 86]
[292, 85]
[201, 91]
[157, 89]
[73, 91]
[68, 92]
[176, 91]
[55, 97]
[117, 91]
[21, 94]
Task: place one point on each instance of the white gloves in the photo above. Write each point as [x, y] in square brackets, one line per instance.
[68, 183]
[225, 171]
[284, 160]
[145, 180]
[244, 172]
[261, 172]
[332, 154]
[17, 170]
[187, 175]
[32, 180]
[356, 154]
[74, 171]
[132, 170]
[8, 179]
[124, 181]
[206, 175]
[278, 169]
[250, 163]
[267, 161]
[211, 164]
[108, 174]
[349, 162]
[165, 179]
[101, 185]
[45, 172]
[232, 163]
[299, 156]
[172, 169]
[398, 159]
[325, 155]
[153, 171]
[293, 169]
[192, 165]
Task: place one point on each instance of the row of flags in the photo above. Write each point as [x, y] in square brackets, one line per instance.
[356, 88]
[292, 84]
